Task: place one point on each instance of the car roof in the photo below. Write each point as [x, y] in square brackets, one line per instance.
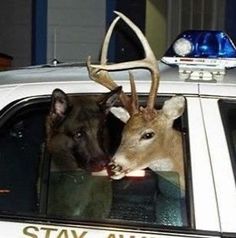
[77, 73]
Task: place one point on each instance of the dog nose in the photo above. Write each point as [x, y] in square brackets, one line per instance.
[98, 164]
[103, 162]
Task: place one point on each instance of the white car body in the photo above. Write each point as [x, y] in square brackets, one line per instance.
[213, 183]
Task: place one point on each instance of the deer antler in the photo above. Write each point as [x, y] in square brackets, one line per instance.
[103, 77]
[148, 62]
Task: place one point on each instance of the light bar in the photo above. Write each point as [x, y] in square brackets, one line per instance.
[202, 55]
[202, 44]
[209, 48]
[223, 63]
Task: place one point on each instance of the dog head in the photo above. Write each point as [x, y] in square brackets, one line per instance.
[77, 136]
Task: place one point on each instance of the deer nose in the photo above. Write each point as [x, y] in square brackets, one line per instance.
[114, 167]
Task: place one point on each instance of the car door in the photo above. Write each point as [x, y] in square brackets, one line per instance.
[26, 212]
[219, 124]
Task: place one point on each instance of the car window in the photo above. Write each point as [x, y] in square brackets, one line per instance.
[228, 114]
[29, 185]
[21, 137]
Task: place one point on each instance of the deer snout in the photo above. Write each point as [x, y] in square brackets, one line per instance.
[116, 168]
[115, 171]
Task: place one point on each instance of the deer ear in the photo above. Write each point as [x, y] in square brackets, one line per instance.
[59, 106]
[121, 113]
[109, 99]
[108, 102]
[174, 107]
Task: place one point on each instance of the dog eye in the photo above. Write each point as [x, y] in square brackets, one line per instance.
[78, 134]
[147, 135]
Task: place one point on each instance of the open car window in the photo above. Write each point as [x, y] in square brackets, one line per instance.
[30, 186]
[22, 135]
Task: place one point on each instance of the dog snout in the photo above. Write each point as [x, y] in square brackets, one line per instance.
[104, 161]
[97, 164]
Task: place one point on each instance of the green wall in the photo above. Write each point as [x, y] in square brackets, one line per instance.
[156, 26]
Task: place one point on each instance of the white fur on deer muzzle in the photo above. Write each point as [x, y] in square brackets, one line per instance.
[121, 167]
[118, 166]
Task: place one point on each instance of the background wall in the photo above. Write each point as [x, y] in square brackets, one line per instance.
[194, 14]
[75, 29]
[156, 26]
[15, 33]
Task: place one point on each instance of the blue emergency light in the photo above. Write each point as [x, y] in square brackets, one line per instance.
[202, 44]
[202, 55]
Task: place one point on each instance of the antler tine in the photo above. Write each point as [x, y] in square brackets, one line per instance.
[107, 41]
[148, 62]
[102, 76]
[134, 96]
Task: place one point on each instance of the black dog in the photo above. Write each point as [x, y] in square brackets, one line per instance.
[77, 136]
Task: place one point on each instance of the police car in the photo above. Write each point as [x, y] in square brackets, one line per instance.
[200, 65]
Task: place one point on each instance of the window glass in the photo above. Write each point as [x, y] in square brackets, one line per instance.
[21, 138]
[152, 199]
[228, 114]
[29, 184]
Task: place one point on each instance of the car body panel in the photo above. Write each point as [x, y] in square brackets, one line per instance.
[212, 200]
[200, 163]
[41, 81]
[221, 164]
[169, 81]
[19, 230]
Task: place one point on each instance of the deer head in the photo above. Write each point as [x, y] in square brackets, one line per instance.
[148, 138]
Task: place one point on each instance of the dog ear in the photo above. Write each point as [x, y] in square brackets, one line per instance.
[59, 106]
[109, 99]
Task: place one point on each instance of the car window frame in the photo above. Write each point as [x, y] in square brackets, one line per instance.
[202, 176]
[225, 189]
[13, 107]
[161, 99]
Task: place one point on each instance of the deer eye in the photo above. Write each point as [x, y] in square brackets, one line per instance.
[147, 135]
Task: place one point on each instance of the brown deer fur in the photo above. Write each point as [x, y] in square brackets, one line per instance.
[148, 138]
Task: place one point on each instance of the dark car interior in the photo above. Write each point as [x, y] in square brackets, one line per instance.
[27, 187]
